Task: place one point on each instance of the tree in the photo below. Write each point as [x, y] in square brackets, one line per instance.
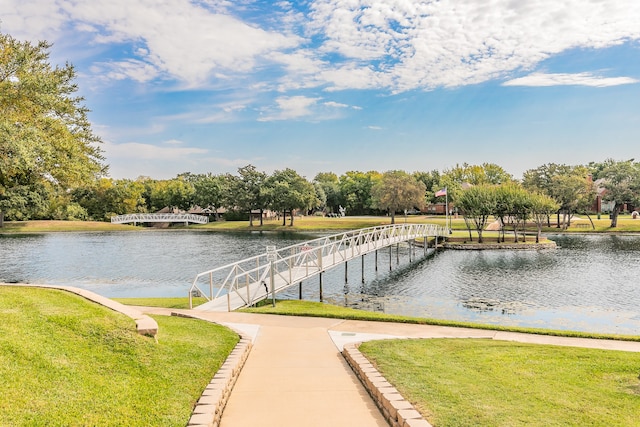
[329, 183]
[477, 203]
[621, 180]
[210, 191]
[460, 177]
[248, 191]
[106, 197]
[541, 207]
[570, 186]
[431, 181]
[288, 191]
[355, 188]
[512, 206]
[45, 136]
[397, 191]
[177, 192]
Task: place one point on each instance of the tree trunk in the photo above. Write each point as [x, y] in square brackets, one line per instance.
[291, 216]
[614, 215]
[393, 217]
[284, 217]
[539, 233]
[1, 219]
[250, 217]
[261, 215]
[593, 227]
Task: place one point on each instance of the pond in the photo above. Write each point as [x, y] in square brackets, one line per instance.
[590, 283]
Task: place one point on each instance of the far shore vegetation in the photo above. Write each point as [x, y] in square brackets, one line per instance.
[65, 361]
[580, 224]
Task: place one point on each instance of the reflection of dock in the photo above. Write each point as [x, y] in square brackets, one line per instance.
[254, 279]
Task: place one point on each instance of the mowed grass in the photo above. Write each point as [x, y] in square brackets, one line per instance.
[313, 224]
[65, 361]
[318, 309]
[470, 382]
[177, 302]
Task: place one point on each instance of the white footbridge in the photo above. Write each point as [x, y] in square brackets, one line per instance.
[135, 218]
[251, 280]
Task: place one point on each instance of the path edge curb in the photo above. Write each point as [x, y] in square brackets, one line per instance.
[394, 407]
[208, 410]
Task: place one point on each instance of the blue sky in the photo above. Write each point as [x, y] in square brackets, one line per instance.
[340, 85]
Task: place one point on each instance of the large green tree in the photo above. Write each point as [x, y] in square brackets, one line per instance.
[289, 191]
[249, 192]
[397, 191]
[621, 180]
[46, 139]
[328, 181]
[355, 188]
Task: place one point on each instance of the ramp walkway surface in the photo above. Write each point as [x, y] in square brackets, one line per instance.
[296, 376]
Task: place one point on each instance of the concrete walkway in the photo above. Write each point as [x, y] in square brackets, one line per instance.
[295, 374]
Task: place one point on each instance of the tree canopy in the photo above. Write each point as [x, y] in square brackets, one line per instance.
[397, 191]
[46, 141]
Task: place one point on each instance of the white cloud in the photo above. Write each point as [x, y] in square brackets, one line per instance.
[133, 69]
[406, 45]
[560, 79]
[335, 104]
[183, 39]
[396, 45]
[290, 107]
[136, 150]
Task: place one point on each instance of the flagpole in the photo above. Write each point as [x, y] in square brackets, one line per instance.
[446, 209]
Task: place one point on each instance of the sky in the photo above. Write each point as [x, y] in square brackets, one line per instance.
[347, 85]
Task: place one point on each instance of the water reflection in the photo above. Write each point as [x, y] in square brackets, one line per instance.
[589, 283]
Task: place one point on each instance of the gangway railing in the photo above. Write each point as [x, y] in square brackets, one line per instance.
[159, 217]
[248, 281]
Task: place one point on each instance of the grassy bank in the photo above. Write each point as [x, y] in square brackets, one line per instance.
[313, 224]
[66, 361]
[468, 382]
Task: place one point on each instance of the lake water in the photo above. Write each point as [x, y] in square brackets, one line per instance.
[590, 283]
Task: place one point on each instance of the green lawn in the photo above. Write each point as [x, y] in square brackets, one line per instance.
[177, 303]
[467, 382]
[308, 223]
[318, 309]
[67, 362]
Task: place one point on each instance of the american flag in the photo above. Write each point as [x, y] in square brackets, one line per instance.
[442, 192]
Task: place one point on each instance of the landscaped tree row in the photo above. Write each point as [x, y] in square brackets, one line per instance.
[510, 203]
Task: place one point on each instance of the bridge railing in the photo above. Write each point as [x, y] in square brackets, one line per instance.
[159, 217]
[301, 260]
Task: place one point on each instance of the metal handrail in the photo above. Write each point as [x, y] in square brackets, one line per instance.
[245, 280]
[159, 217]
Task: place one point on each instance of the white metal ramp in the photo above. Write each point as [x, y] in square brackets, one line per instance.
[246, 282]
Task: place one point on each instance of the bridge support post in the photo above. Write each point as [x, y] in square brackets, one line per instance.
[273, 288]
[300, 290]
[362, 268]
[390, 254]
[346, 268]
[320, 286]
[376, 260]
[397, 253]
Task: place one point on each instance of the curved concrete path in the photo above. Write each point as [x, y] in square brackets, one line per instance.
[295, 374]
